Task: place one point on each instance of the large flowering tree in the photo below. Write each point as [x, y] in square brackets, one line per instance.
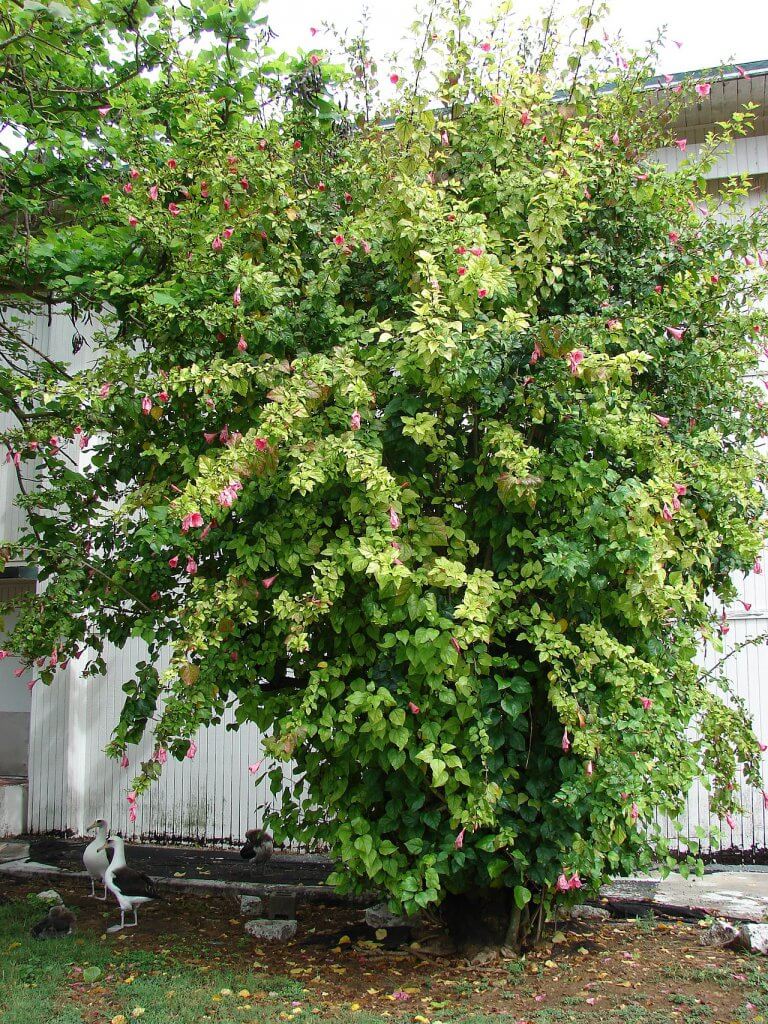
[420, 427]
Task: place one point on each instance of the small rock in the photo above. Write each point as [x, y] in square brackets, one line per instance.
[584, 912]
[754, 937]
[270, 931]
[251, 906]
[721, 933]
[379, 916]
[51, 897]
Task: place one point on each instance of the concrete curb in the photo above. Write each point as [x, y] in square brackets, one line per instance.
[27, 870]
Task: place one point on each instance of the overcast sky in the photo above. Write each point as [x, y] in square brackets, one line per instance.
[710, 32]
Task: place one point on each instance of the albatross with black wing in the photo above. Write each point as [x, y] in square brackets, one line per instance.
[130, 888]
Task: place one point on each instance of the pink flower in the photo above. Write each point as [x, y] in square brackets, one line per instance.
[106, 200]
[476, 250]
[482, 293]
[191, 521]
[615, 139]
[461, 271]
[765, 800]
[204, 193]
[242, 344]
[162, 396]
[103, 111]
[565, 743]
[413, 708]
[634, 812]
[133, 813]
[745, 605]
[313, 31]
[228, 495]
[338, 240]
[663, 421]
[173, 562]
[496, 99]
[153, 192]
[681, 489]
[525, 117]
[715, 279]
[172, 164]
[562, 883]
[703, 89]
[260, 444]
[227, 202]
[366, 247]
[268, 581]
[154, 596]
[133, 221]
[459, 840]
[191, 750]
[162, 755]
[574, 358]
[757, 568]
[236, 297]
[676, 332]
[456, 645]
[394, 79]
[253, 768]
[228, 232]
[19, 672]
[575, 882]
[667, 513]
[146, 405]
[676, 504]
[191, 566]
[210, 438]
[314, 60]
[646, 702]
[589, 769]
[536, 354]
[394, 519]
[681, 144]
[233, 655]
[673, 236]
[354, 420]
[485, 47]
[134, 174]
[762, 746]
[30, 684]
[104, 390]
[730, 820]
[124, 762]
[217, 244]
[127, 188]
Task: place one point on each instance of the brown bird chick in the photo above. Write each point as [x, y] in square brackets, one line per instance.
[55, 925]
[258, 846]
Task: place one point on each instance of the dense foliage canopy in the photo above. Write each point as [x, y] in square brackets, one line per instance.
[420, 424]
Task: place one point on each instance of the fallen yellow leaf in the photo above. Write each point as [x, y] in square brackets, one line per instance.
[381, 933]
[119, 1019]
[137, 1011]
[344, 939]
[243, 993]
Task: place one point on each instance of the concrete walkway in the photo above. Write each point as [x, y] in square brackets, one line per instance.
[738, 893]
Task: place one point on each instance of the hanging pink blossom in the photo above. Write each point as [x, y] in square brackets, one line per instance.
[575, 882]
[757, 568]
[485, 47]
[681, 489]
[634, 812]
[217, 245]
[476, 250]
[461, 271]
[536, 354]
[233, 656]
[127, 188]
[228, 495]
[19, 672]
[525, 117]
[253, 768]
[173, 562]
[565, 743]
[456, 645]
[260, 444]
[703, 89]
[574, 359]
[354, 420]
[496, 99]
[765, 800]
[413, 708]
[154, 596]
[210, 438]
[228, 232]
[394, 79]
[191, 750]
[730, 821]
[133, 813]
[191, 566]
[268, 581]
[172, 164]
[615, 139]
[482, 293]
[131, 797]
[681, 144]
[161, 756]
[745, 605]
[676, 506]
[313, 31]
[365, 246]
[204, 193]
[338, 240]
[589, 769]
[562, 883]
[459, 840]
[676, 332]
[30, 684]
[104, 390]
[146, 405]
[162, 396]
[236, 297]
[153, 193]
[663, 421]
[667, 513]
[174, 209]
[124, 762]
[394, 519]
[227, 202]
[191, 521]
[646, 702]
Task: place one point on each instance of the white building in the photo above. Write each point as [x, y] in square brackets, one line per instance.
[54, 776]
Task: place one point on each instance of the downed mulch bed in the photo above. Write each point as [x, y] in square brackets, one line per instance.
[647, 971]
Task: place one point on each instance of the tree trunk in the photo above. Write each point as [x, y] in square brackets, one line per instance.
[489, 919]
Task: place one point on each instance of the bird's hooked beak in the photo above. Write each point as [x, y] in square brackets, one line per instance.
[101, 848]
[92, 826]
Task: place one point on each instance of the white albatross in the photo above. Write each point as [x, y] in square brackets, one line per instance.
[130, 888]
[95, 856]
